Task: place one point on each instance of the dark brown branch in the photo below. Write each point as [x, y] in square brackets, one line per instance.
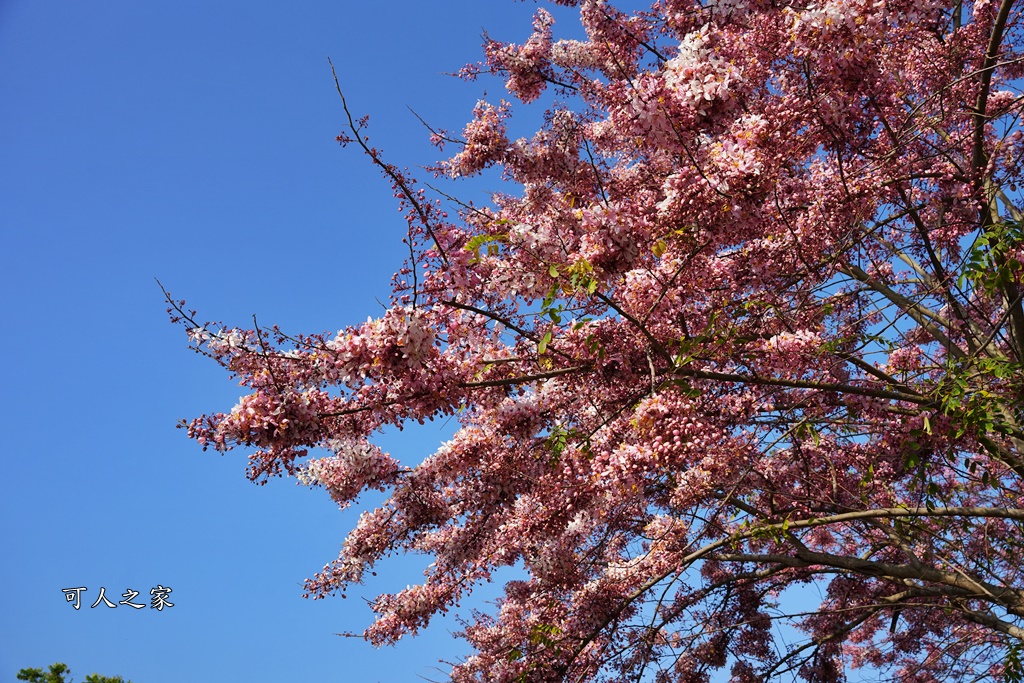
[803, 384]
[492, 316]
[389, 170]
[522, 379]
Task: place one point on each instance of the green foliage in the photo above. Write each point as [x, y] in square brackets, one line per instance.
[541, 635]
[805, 431]
[57, 674]
[967, 392]
[96, 678]
[688, 348]
[560, 438]
[542, 346]
[581, 277]
[1013, 670]
[685, 388]
[491, 241]
[988, 267]
[549, 308]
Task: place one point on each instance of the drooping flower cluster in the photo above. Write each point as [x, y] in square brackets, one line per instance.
[697, 77]
[353, 468]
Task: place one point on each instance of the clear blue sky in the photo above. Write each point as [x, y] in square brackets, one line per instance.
[194, 142]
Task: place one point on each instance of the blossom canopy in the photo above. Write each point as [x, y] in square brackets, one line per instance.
[747, 317]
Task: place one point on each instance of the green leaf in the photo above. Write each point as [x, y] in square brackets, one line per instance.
[686, 388]
[1013, 669]
[542, 347]
[491, 241]
[480, 240]
[549, 299]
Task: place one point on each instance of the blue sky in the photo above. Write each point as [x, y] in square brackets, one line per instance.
[194, 142]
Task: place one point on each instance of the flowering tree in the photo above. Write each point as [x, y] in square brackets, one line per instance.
[749, 318]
